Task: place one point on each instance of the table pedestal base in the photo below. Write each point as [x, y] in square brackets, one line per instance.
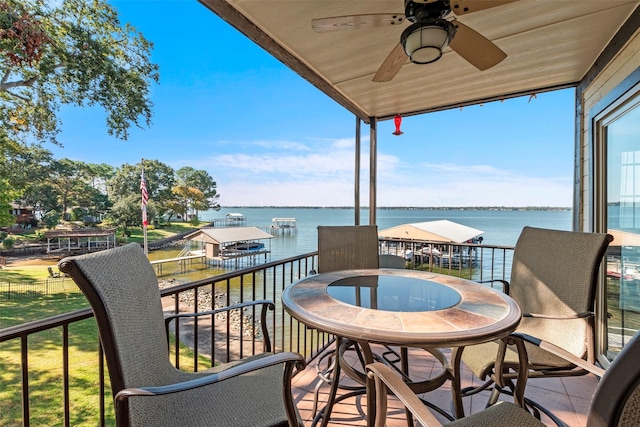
[339, 361]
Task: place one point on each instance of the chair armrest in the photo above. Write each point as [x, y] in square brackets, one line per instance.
[266, 305]
[386, 379]
[290, 360]
[505, 284]
[583, 315]
[558, 351]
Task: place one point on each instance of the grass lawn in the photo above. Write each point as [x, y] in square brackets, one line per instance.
[28, 273]
[167, 230]
[45, 365]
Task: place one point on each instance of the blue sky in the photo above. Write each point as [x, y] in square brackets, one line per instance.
[270, 138]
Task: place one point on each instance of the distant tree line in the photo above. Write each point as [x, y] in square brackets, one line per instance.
[60, 189]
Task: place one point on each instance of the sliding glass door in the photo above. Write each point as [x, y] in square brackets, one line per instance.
[619, 134]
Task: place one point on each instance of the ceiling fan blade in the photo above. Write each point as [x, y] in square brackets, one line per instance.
[391, 65]
[475, 48]
[462, 7]
[351, 22]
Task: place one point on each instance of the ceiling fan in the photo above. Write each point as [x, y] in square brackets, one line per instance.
[433, 28]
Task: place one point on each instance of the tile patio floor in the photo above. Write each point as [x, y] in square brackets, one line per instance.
[567, 398]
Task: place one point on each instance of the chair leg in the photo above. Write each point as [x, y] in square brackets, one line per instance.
[324, 376]
[495, 394]
[470, 391]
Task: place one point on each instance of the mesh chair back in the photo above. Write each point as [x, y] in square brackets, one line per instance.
[347, 247]
[122, 289]
[392, 261]
[616, 401]
[555, 273]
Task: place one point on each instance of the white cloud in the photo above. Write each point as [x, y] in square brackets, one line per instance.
[322, 174]
[282, 145]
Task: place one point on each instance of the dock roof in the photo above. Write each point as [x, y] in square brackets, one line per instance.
[229, 234]
[441, 231]
[81, 232]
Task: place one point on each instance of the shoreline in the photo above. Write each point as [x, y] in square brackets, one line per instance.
[425, 208]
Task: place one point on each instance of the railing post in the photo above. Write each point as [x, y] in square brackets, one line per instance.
[25, 381]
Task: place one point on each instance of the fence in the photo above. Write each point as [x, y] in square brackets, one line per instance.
[23, 290]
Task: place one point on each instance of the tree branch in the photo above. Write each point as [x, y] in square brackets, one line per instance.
[7, 73]
[15, 95]
[4, 87]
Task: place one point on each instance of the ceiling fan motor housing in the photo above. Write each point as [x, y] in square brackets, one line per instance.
[422, 11]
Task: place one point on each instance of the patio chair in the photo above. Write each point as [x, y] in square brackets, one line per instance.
[148, 390]
[343, 248]
[553, 279]
[52, 274]
[347, 247]
[392, 261]
[616, 401]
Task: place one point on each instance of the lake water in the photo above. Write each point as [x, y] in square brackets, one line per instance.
[501, 228]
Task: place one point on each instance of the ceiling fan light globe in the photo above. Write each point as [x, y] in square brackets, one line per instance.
[424, 42]
[425, 55]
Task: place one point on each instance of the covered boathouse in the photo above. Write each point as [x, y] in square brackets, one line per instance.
[82, 240]
[231, 247]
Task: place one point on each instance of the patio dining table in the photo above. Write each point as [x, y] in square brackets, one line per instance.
[403, 308]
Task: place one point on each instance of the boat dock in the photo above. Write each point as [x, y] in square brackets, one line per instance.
[283, 225]
[230, 220]
[182, 261]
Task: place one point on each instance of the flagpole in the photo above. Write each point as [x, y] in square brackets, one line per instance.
[145, 198]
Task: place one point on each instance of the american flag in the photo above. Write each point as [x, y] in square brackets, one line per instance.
[145, 198]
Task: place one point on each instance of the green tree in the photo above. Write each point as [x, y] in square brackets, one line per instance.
[188, 200]
[69, 52]
[160, 181]
[42, 196]
[202, 181]
[22, 166]
[51, 219]
[7, 195]
[126, 212]
[100, 174]
[26, 169]
[70, 182]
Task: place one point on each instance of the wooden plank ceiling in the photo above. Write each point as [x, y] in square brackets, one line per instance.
[549, 43]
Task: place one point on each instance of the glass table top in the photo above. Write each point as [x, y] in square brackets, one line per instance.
[393, 293]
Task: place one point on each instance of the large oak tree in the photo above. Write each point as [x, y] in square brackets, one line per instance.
[69, 52]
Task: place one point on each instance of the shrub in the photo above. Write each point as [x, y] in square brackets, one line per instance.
[51, 219]
[7, 243]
